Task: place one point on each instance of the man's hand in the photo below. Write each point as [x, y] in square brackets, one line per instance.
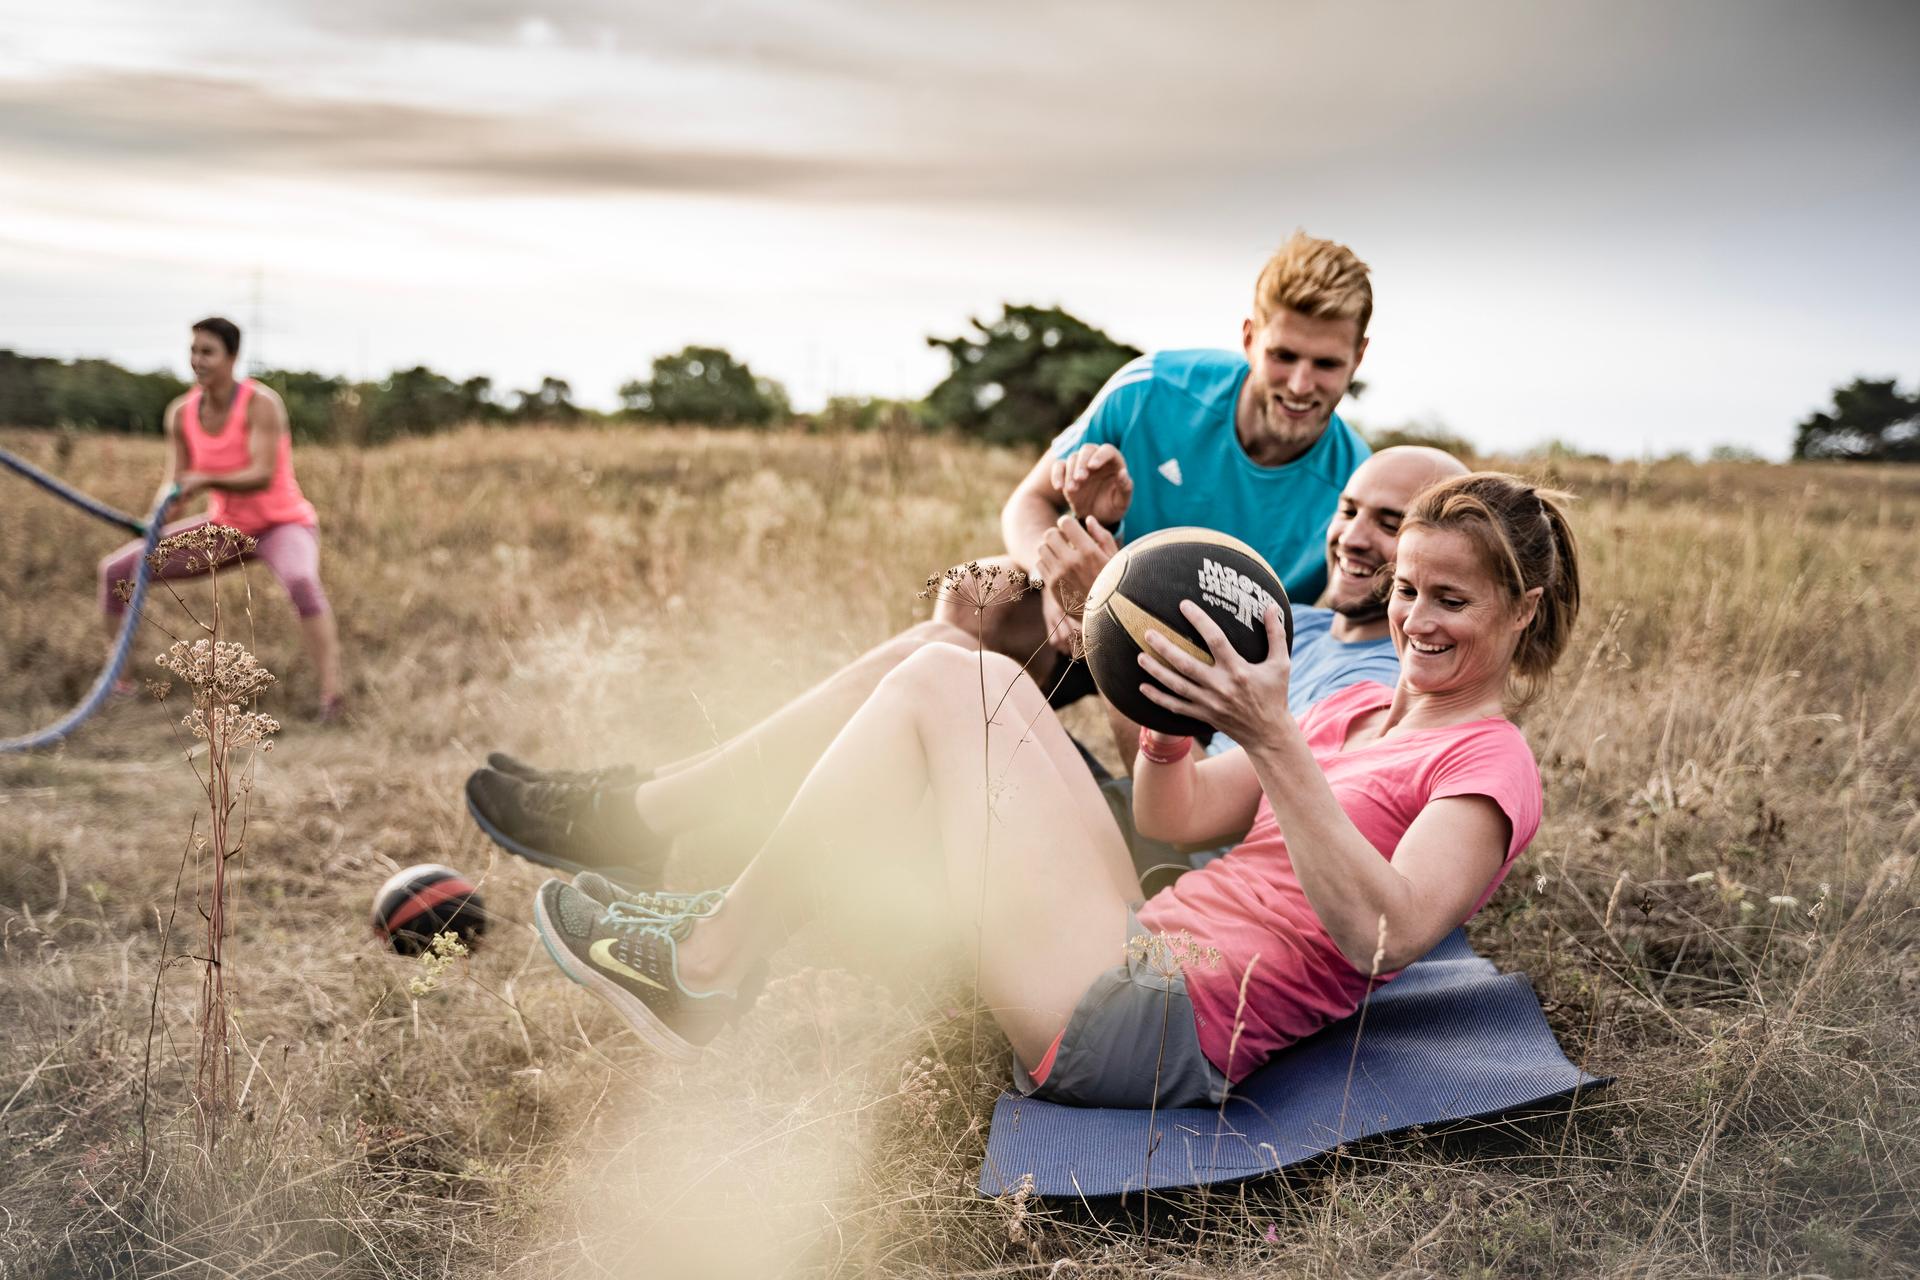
[1068, 559]
[1095, 482]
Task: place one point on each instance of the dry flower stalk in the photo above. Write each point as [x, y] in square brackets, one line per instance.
[225, 682]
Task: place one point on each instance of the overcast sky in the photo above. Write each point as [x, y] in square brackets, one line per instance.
[1636, 227]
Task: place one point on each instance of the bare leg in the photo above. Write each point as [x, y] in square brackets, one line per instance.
[1036, 875]
[323, 644]
[291, 553]
[124, 564]
[764, 766]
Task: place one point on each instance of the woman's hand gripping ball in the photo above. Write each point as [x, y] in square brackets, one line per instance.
[1247, 701]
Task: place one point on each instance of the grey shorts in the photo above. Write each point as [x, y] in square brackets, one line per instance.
[1131, 1024]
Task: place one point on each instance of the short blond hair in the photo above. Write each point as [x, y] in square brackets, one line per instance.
[1316, 278]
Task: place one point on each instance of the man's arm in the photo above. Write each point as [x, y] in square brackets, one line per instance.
[1032, 508]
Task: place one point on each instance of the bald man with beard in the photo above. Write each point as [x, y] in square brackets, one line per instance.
[1338, 642]
[1352, 611]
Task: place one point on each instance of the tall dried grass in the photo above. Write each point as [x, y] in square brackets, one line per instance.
[1719, 910]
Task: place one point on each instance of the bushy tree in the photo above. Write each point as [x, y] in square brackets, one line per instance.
[1025, 376]
[313, 401]
[1871, 421]
[551, 401]
[418, 401]
[23, 389]
[705, 385]
[100, 395]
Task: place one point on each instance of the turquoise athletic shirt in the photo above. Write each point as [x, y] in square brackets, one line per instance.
[1170, 413]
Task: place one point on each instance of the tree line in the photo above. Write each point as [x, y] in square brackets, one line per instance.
[1017, 379]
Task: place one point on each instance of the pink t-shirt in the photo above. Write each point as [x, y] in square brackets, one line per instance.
[1250, 903]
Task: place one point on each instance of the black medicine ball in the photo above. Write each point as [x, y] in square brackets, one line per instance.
[1141, 589]
[419, 902]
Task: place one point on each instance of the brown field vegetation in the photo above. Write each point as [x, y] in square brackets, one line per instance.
[1719, 910]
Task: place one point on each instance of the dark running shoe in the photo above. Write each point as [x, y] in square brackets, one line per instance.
[612, 775]
[632, 965]
[661, 905]
[567, 826]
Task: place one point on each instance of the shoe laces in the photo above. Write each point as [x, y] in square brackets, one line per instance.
[559, 798]
[675, 912]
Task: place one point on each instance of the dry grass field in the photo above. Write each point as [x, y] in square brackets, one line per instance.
[1719, 909]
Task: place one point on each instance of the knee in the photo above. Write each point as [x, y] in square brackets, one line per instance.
[931, 663]
[946, 668]
[935, 631]
[932, 667]
[309, 598]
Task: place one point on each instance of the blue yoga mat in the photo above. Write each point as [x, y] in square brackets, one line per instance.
[1451, 1038]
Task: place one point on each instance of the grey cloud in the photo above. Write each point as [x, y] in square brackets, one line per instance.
[1115, 110]
[167, 122]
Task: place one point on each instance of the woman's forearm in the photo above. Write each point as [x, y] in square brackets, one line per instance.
[250, 480]
[1350, 887]
[1163, 793]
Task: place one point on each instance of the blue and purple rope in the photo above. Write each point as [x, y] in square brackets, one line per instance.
[129, 627]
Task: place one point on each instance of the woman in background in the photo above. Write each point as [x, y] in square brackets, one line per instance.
[230, 440]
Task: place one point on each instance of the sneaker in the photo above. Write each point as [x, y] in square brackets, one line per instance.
[568, 826]
[662, 905]
[612, 775]
[633, 967]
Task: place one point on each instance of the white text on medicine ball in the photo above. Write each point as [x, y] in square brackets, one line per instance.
[1238, 594]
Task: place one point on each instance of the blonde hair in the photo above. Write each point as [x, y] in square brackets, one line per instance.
[1316, 278]
[1525, 542]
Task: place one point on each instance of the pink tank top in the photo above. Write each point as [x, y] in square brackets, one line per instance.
[281, 502]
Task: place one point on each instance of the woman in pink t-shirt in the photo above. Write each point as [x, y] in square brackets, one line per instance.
[230, 440]
[1379, 822]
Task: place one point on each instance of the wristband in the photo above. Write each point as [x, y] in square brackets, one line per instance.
[1163, 755]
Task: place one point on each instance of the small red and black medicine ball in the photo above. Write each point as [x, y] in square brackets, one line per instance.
[1141, 588]
[419, 902]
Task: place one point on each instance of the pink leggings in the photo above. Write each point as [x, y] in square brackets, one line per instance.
[291, 551]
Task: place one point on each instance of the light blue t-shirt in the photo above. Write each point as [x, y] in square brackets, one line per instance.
[1323, 666]
[1171, 415]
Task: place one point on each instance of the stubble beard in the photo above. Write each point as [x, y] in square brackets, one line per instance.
[1368, 608]
[1360, 612]
[1281, 430]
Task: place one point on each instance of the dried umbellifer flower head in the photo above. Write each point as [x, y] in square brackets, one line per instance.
[978, 586]
[209, 544]
[224, 678]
